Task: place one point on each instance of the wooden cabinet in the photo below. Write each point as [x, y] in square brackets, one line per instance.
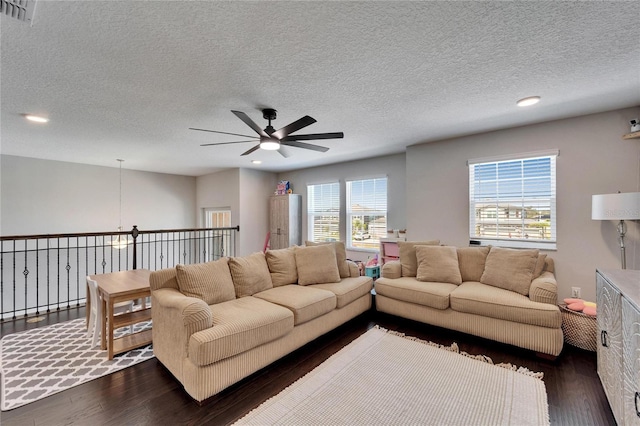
[285, 221]
[618, 294]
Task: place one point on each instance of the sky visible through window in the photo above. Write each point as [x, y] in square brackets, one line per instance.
[513, 180]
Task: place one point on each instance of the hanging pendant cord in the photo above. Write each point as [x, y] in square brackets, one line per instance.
[120, 212]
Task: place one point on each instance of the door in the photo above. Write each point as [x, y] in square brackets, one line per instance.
[609, 347]
[631, 363]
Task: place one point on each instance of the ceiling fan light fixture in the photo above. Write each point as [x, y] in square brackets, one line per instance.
[270, 144]
[531, 100]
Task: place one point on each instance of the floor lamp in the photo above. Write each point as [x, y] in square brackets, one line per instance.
[620, 206]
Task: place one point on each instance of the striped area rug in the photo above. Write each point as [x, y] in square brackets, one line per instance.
[46, 360]
[384, 378]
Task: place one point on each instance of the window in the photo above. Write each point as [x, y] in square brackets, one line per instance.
[512, 202]
[217, 217]
[323, 211]
[366, 213]
[216, 242]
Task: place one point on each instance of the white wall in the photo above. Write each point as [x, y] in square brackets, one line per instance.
[593, 160]
[50, 197]
[392, 166]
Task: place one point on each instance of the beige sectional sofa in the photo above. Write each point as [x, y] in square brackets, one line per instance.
[215, 323]
[507, 295]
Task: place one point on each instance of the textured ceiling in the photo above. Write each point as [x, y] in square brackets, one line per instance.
[127, 79]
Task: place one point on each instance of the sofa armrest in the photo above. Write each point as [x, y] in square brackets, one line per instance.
[392, 269]
[544, 289]
[354, 271]
[175, 318]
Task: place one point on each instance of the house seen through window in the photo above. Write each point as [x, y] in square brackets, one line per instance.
[323, 212]
[366, 213]
[512, 202]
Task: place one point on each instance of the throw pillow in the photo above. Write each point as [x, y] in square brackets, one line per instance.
[511, 269]
[250, 274]
[341, 256]
[282, 265]
[540, 263]
[209, 281]
[471, 261]
[438, 264]
[407, 250]
[317, 264]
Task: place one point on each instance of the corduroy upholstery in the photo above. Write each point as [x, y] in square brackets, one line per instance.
[210, 347]
[531, 320]
[305, 303]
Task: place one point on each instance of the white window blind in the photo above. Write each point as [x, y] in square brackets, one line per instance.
[323, 212]
[512, 202]
[366, 213]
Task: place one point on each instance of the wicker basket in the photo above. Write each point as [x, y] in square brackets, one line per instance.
[579, 329]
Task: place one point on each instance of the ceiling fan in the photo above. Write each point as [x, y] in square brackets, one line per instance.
[272, 139]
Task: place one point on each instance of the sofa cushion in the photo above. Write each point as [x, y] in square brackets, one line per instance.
[510, 269]
[341, 256]
[282, 266]
[409, 289]
[317, 264]
[348, 289]
[239, 325]
[485, 300]
[210, 281]
[408, 259]
[250, 274]
[306, 303]
[540, 264]
[471, 261]
[438, 263]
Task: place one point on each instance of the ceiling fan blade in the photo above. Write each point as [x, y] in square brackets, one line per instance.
[249, 151]
[225, 143]
[284, 151]
[315, 136]
[305, 146]
[293, 127]
[249, 122]
[222, 133]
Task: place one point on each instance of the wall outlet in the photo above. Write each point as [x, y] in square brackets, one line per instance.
[575, 292]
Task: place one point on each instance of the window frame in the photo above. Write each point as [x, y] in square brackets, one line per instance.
[527, 166]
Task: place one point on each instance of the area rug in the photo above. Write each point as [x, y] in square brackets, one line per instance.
[41, 362]
[384, 378]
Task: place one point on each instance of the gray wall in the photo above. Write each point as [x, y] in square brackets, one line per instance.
[50, 197]
[392, 166]
[255, 189]
[593, 160]
[219, 190]
[246, 192]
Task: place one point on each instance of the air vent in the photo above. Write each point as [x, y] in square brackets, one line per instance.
[21, 10]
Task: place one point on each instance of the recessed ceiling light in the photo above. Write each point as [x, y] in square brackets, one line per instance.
[531, 100]
[256, 161]
[36, 118]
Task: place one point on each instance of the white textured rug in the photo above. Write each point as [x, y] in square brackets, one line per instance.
[46, 360]
[383, 378]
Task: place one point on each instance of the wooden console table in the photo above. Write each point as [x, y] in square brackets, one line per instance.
[121, 287]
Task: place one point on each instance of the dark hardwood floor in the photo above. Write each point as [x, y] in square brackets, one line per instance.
[147, 394]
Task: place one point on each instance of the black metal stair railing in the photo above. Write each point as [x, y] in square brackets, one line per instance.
[41, 273]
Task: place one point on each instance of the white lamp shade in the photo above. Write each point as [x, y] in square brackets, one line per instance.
[625, 206]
